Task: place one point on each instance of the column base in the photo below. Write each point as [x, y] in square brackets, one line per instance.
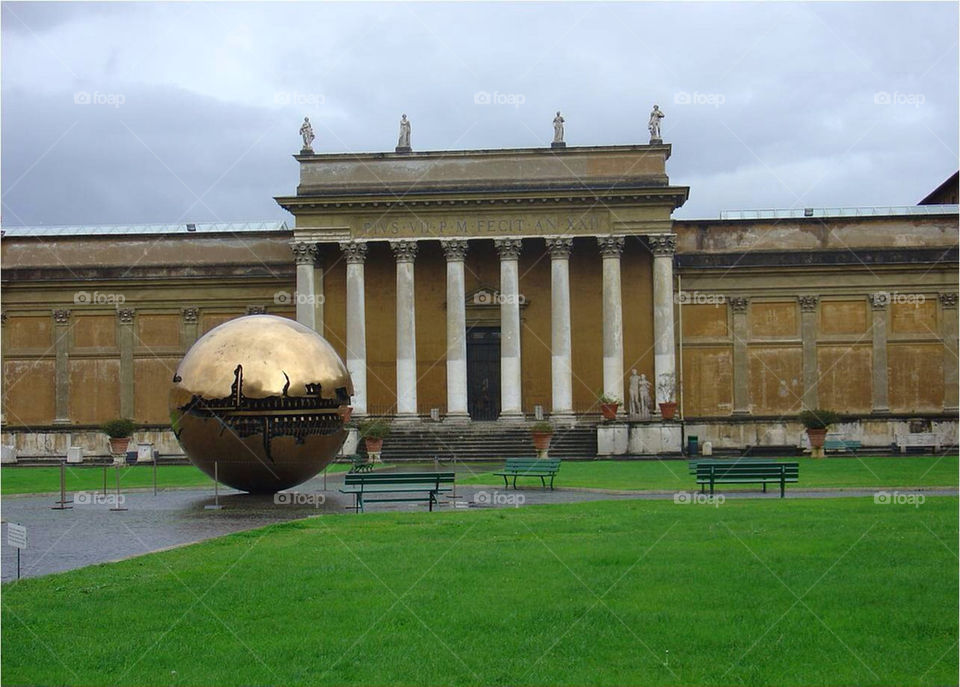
[512, 416]
[881, 411]
[403, 149]
[564, 417]
[457, 418]
[61, 421]
[406, 418]
[740, 412]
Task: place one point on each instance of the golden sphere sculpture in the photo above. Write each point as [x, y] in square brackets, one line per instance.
[263, 399]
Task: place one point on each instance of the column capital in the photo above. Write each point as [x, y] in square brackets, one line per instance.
[738, 303]
[256, 310]
[404, 251]
[509, 249]
[948, 301]
[879, 300]
[354, 252]
[190, 315]
[454, 249]
[126, 315]
[559, 247]
[662, 245]
[610, 246]
[808, 303]
[304, 252]
[61, 316]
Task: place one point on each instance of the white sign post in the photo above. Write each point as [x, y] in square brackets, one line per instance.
[17, 538]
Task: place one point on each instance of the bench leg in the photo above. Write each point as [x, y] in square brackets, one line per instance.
[764, 487]
[514, 482]
[551, 482]
[783, 484]
[506, 485]
[431, 502]
[543, 483]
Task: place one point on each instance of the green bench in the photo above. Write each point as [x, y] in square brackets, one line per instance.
[411, 486]
[361, 464]
[837, 444]
[742, 472]
[529, 467]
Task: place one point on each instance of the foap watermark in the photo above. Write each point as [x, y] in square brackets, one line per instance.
[299, 498]
[898, 498]
[699, 498]
[699, 298]
[497, 298]
[893, 297]
[697, 98]
[98, 298]
[96, 498]
[98, 98]
[498, 98]
[296, 298]
[898, 98]
[298, 98]
[499, 498]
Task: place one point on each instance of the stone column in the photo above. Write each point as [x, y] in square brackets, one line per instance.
[741, 367]
[318, 294]
[190, 318]
[126, 341]
[610, 249]
[879, 302]
[808, 334]
[406, 253]
[305, 255]
[3, 348]
[455, 251]
[663, 247]
[948, 331]
[355, 252]
[561, 375]
[61, 337]
[511, 379]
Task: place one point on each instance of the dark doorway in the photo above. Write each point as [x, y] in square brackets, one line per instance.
[483, 373]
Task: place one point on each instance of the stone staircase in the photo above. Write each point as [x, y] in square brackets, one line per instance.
[482, 441]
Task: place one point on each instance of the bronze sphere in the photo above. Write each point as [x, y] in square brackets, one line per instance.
[262, 398]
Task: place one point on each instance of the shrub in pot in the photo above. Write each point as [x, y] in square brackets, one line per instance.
[608, 406]
[373, 432]
[541, 431]
[119, 431]
[817, 422]
[667, 389]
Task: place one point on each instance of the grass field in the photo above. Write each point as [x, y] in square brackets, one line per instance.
[22, 480]
[833, 592]
[884, 471]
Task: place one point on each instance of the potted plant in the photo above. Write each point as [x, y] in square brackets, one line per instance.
[816, 422]
[373, 432]
[667, 389]
[119, 431]
[345, 413]
[541, 431]
[608, 406]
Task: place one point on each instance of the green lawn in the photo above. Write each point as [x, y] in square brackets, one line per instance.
[673, 474]
[29, 480]
[832, 592]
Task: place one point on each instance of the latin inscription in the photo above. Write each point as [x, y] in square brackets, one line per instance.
[482, 225]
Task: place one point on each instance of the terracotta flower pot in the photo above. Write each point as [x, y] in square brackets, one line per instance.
[816, 437]
[541, 440]
[346, 412]
[609, 410]
[373, 445]
[118, 445]
[668, 410]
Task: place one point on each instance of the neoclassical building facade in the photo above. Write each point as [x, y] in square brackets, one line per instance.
[494, 286]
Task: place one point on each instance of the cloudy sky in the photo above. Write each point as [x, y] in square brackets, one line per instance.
[170, 112]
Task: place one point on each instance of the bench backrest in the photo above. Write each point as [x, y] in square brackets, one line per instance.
[532, 464]
[758, 469]
[725, 461]
[398, 478]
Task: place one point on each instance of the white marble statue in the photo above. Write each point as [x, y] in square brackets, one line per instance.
[558, 129]
[645, 401]
[654, 124]
[306, 130]
[639, 396]
[404, 140]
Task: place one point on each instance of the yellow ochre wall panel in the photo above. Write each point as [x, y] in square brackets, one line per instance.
[94, 389]
[28, 333]
[915, 373]
[94, 331]
[153, 378]
[845, 377]
[773, 320]
[29, 391]
[843, 317]
[158, 331]
[776, 379]
[707, 381]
